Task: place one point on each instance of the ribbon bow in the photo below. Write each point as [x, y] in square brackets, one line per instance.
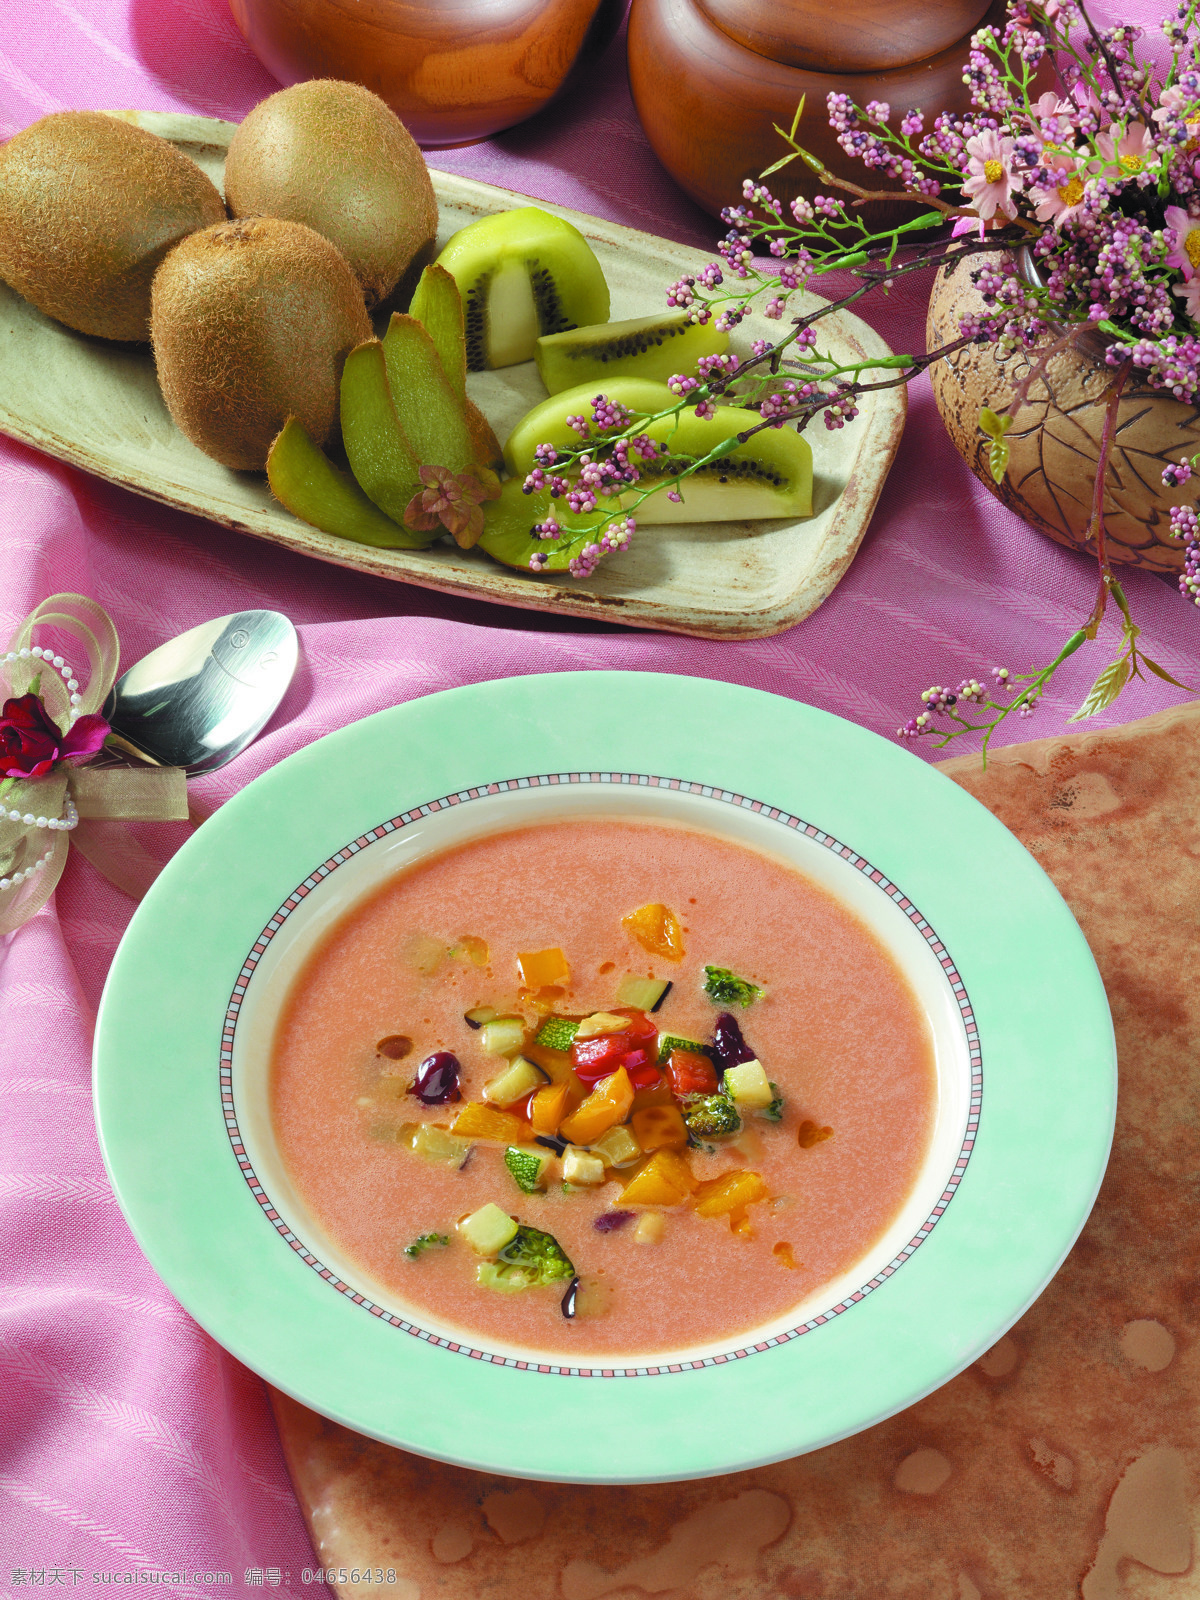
[49, 728]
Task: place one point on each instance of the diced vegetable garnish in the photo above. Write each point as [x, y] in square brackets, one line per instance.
[647, 994]
[489, 1229]
[424, 953]
[594, 1059]
[504, 1279]
[435, 1144]
[691, 1073]
[731, 1192]
[528, 1167]
[775, 1110]
[748, 1084]
[609, 1103]
[618, 1148]
[541, 1253]
[610, 1221]
[423, 1242]
[485, 1122]
[810, 1134]
[643, 1074]
[727, 989]
[568, 1299]
[471, 949]
[665, 1180]
[711, 1116]
[581, 1167]
[556, 1033]
[518, 1079]
[503, 1037]
[478, 1015]
[672, 1041]
[601, 1022]
[436, 1082]
[783, 1253]
[538, 967]
[651, 1226]
[395, 1047]
[548, 1107]
[728, 1046]
[657, 929]
[660, 1128]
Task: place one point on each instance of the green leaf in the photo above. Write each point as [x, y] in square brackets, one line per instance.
[782, 162]
[799, 114]
[1161, 672]
[995, 427]
[998, 453]
[1105, 690]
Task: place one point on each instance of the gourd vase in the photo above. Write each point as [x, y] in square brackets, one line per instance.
[452, 70]
[1055, 438]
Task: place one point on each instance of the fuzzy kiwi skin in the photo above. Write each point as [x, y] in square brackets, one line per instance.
[337, 158]
[251, 323]
[89, 206]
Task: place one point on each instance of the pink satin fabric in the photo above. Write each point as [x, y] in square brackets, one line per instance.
[129, 1442]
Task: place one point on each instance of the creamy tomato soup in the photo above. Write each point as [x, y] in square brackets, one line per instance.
[840, 1036]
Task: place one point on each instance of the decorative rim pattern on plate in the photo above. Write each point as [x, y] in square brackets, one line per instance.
[550, 780]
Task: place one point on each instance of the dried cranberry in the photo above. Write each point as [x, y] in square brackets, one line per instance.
[729, 1048]
[436, 1081]
[610, 1221]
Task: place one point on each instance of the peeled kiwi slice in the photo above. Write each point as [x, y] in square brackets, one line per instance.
[437, 306]
[522, 273]
[508, 535]
[380, 456]
[643, 347]
[303, 478]
[768, 476]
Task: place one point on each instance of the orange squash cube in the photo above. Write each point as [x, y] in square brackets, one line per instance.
[476, 1121]
[665, 1180]
[536, 968]
[732, 1191]
[548, 1107]
[660, 1128]
[608, 1104]
[656, 928]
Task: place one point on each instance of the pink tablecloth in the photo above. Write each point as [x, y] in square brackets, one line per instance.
[130, 1444]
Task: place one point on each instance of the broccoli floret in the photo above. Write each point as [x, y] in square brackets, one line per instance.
[775, 1110]
[539, 1255]
[425, 1241]
[711, 1116]
[727, 989]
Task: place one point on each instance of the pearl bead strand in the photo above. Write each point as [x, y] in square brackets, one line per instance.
[53, 824]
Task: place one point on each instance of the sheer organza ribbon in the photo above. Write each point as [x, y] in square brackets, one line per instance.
[32, 854]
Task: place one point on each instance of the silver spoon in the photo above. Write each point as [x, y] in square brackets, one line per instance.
[200, 699]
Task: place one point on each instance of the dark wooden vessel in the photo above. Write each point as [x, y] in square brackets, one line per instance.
[711, 78]
[452, 70]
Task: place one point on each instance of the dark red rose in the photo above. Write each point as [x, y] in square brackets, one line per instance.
[31, 741]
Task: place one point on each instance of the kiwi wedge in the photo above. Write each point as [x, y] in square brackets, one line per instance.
[770, 475]
[642, 347]
[377, 448]
[335, 157]
[251, 322]
[437, 306]
[430, 412]
[89, 207]
[303, 479]
[521, 274]
[508, 524]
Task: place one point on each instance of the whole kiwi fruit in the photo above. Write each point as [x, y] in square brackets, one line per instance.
[333, 156]
[89, 206]
[251, 322]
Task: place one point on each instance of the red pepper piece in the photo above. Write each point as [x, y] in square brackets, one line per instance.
[691, 1074]
[594, 1059]
[640, 1030]
[643, 1074]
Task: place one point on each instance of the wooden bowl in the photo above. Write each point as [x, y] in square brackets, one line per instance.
[452, 70]
[711, 78]
[1055, 440]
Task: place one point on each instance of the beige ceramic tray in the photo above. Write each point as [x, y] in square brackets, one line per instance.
[98, 407]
